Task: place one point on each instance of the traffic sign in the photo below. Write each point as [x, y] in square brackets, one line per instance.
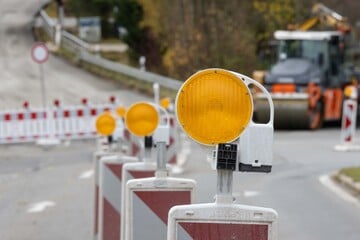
[39, 53]
[214, 106]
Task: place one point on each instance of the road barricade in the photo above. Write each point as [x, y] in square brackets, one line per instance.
[63, 123]
[22, 125]
[103, 151]
[348, 127]
[222, 220]
[134, 171]
[219, 127]
[148, 202]
[110, 196]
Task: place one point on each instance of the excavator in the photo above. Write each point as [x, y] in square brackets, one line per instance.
[307, 83]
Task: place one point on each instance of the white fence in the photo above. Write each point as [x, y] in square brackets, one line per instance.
[30, 125]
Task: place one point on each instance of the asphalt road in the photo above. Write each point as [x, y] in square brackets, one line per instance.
[48, 193]
[20, 75]
[60, 180]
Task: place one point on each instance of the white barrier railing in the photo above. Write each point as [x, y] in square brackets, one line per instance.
[29, 125]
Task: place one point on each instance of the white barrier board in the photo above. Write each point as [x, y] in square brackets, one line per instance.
[215, 221]
[110, 194]
[148, 202]
[134, 171]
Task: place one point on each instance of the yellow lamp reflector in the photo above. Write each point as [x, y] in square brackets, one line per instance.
[142, 119]
[121, 111]
[165, 102]
[214, 106]
[350, 92]
[105, 123]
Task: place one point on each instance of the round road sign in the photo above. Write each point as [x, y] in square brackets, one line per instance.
[39, 53]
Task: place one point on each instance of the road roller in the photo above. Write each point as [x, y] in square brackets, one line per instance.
[308, 80]
[313, 68]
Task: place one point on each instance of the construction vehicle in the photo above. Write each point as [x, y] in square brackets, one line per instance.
[311, 72]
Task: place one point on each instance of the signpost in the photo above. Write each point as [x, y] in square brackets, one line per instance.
[40, 54]
[214, 107]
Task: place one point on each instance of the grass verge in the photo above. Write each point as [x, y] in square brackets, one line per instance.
[353, 173]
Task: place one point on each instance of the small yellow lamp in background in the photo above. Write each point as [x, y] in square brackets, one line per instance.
[105, 124]
[142, 119]
[165, 102]
[350, 92]
[121, 111]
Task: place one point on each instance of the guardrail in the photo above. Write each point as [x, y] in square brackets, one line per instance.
[49, 25]
[130, 71]
[83, 50]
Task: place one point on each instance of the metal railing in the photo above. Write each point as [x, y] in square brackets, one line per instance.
[85, 53]
[48, 24]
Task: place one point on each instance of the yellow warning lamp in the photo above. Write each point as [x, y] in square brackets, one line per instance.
[165, 102]
[142, 119]
[214, 106]
[105, 124]
[121, 111]
[350, 92]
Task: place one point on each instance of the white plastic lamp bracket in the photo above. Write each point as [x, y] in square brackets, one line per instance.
[256, 142]
[162, 133]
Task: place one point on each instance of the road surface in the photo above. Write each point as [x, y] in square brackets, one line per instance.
[20, 75]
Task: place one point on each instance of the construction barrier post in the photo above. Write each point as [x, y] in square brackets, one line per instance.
[101, 152]
[224, 219]
[131, 171]
[348, 123]
[110, 195]
[149, 200]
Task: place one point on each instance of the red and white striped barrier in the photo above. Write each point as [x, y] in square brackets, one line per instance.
[222, 220]
[348, 126]
[22, 126]
[104, 150]
[133, 145]
[110, 196]
[134, 171]
[28, 125]
[148, 202]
